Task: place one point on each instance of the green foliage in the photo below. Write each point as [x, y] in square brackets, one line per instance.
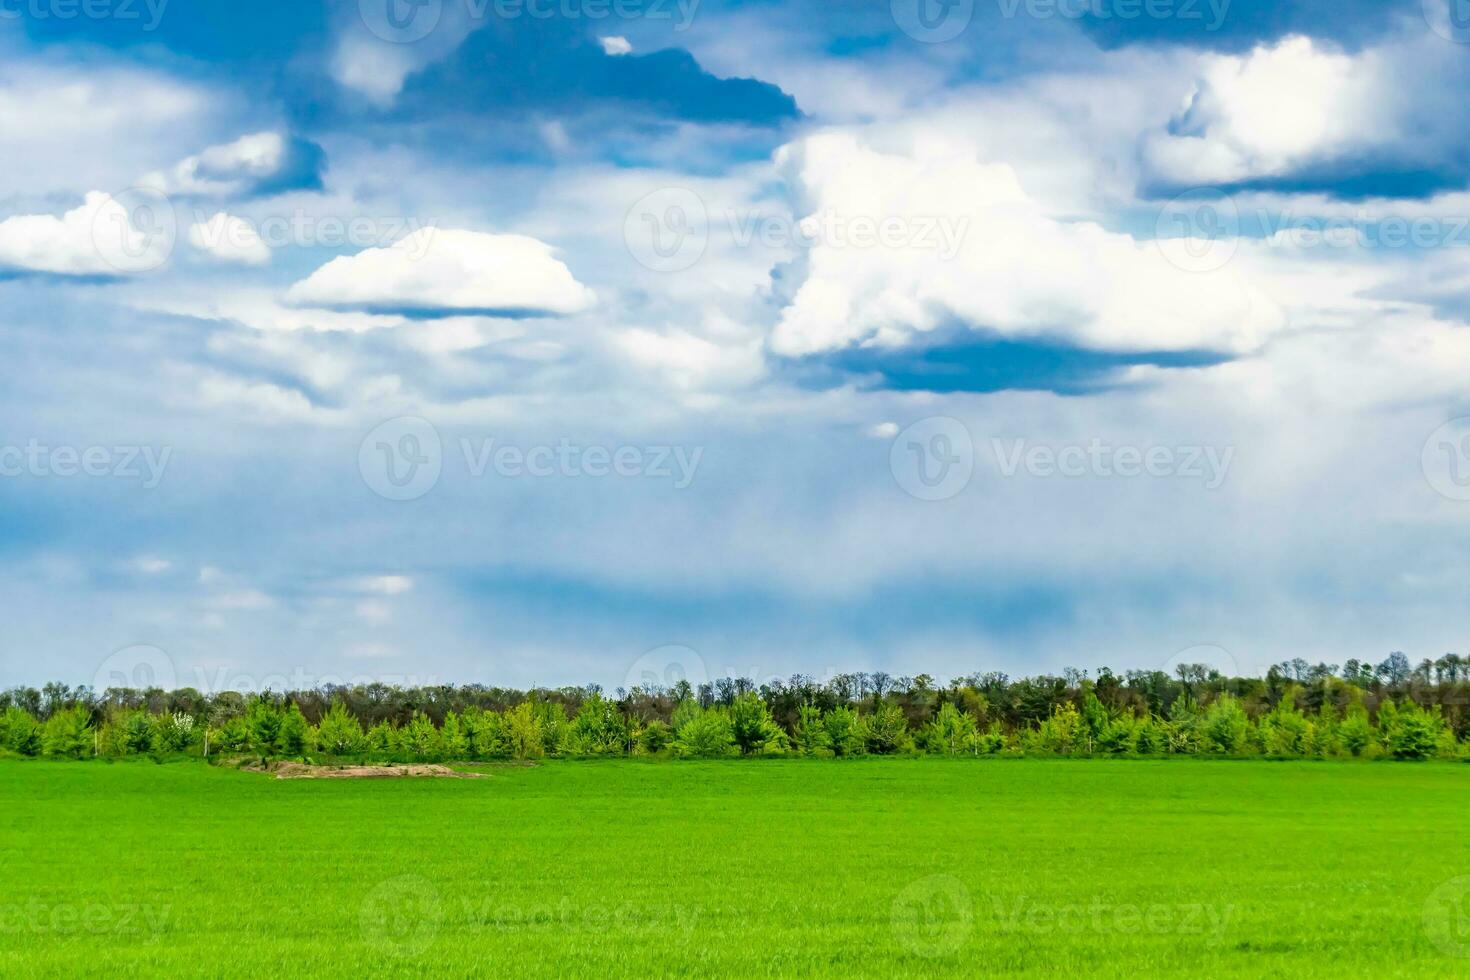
[1224, 727]
[265, 721]
[754, 731]
[68, 734]
[888, 731]
[339, 733]
[21, 733]
[705, 735]
[847, 732]
[655, 737]
[810, 736]
[950, 733]
[1410, 732]
[175, 732]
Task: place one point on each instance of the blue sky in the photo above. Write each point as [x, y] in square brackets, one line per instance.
[539, 341]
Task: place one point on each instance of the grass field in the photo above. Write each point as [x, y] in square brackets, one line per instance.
[873, 868]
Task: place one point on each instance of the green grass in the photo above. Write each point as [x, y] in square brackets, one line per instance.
[868, 868]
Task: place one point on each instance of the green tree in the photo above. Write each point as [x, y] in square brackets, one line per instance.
[754, 731]
[22, 733]
[339, 733]
[707, 735]
[68, 733]
[811, 736]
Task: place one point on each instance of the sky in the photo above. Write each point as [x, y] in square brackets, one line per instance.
[547, 342]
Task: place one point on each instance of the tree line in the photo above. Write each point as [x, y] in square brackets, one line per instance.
[1387, 710]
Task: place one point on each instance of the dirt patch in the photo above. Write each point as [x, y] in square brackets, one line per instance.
[299, 770]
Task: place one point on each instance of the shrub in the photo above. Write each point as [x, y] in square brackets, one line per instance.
[1225, 726]
[68, 733]
[655, 737]
[846, 731]
[811, 736]
[1410, 732]
[21, 732]
[707, 735]
[888, 731]
[950, 733]
[339, 733]
[751, 725]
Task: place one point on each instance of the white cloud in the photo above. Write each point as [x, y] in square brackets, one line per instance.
[883, 430]
[64, 129]
[226, 169]
[383, 585]
[967, 245]
[152, 566]
[98, 238]
[229, 239]
[615, 45]
[1267, 112]
[442, 272]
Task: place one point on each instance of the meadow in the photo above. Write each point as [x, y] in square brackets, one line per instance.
[864, 867]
